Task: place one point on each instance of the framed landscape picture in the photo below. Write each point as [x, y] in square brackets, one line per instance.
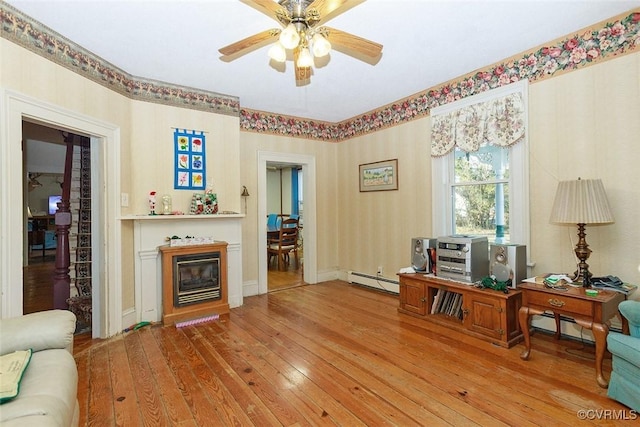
[379, 176]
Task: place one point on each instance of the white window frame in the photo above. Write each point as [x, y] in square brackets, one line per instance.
[442, 174]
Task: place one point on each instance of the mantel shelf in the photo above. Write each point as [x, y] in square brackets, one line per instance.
[177, 217]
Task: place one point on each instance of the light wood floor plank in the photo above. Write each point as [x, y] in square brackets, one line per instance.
[148, 396]
[240, 410]
[122, 383]
[186, 365]
[332, 354]
[100, 410]
[176, 408]
[489, 390]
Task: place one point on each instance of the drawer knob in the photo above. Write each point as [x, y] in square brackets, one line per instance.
[556, 302]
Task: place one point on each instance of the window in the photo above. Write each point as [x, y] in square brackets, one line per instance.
[480, 193]
[481, 189]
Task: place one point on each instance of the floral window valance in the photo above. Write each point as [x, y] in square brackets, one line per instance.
[497, 121]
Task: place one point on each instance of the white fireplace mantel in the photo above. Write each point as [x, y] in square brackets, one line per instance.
[151, 232]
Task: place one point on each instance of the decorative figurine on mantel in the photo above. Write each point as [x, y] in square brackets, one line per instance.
[166, 205]
[204, 204]
[210, 201]
[152, 203]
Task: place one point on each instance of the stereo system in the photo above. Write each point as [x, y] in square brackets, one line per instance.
[423, 254]
[463, 258]
[508, 262]
[469, 258]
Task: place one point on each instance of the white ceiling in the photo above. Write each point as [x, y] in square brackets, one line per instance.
[425, 42]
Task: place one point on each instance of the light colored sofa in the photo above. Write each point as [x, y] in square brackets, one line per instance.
[624, 385]
[48, 391]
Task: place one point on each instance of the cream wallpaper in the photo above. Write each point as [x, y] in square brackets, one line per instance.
[582, 124]
[586, 124]
[146, 138]
[375, 228]
[151, 153]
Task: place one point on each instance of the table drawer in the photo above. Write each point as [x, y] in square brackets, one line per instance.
[558, 302]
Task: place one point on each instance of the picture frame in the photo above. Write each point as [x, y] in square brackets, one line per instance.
[189, 160]
[379, 176]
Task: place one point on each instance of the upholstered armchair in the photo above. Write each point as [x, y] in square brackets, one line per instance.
[624, 385]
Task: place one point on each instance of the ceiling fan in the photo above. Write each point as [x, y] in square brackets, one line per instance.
[303, 35]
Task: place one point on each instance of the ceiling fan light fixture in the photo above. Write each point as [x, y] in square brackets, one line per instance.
[305, 59]
[277, 52]
[289, 37]
[321, 45]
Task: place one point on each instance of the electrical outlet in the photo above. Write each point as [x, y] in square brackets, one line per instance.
[124, 200]
[379, 270]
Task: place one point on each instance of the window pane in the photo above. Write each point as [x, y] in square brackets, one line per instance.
[475, 211]
[481, 193]
[489, 163]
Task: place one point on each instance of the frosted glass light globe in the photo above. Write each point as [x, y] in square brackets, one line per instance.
[321, 45]
[289, 37]
[277, 53]
[305, 59]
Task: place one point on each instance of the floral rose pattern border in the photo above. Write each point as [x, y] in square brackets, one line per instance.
[615, 38]
[577, 51]
[36, 37]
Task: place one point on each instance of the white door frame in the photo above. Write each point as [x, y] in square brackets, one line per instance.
[106, 235]
[309, 230]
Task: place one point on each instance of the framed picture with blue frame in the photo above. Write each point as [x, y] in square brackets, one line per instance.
[190, 160]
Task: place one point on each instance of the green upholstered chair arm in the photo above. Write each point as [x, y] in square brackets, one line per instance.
[630, 309]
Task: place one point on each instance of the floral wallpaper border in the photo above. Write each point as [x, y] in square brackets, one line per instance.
[40, 39]
[615, 37]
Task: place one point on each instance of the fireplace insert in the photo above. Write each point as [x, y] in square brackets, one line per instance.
[196, 278]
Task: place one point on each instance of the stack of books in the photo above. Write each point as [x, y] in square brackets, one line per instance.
[447, 302]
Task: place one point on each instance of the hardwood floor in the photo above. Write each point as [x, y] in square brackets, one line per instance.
[285, 279]
[331, 354]
[38, 284]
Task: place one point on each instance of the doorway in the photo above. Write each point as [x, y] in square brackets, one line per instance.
[44, 153]
[105, 144]
[285, 200]
[307, 167]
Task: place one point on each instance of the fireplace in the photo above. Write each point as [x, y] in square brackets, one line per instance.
[194, 281]
[196, 278]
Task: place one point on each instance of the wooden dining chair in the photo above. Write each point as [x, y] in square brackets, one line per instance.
[284, 244]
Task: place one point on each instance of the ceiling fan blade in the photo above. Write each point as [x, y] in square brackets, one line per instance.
[329, 9]
[239, 48]
[269, 7]
[303, 74]
[352, 45]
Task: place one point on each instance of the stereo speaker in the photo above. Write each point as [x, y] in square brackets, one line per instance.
[423, 254]
[508, 262]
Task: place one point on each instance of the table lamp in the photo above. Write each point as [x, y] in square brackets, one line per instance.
[581, 202]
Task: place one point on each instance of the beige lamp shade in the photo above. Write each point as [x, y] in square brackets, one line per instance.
[582, 201]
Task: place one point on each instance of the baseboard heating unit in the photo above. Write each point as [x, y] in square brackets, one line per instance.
[374, 282]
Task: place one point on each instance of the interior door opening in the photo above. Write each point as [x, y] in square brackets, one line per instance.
[305, 165]
[285, 200]
[44, 152]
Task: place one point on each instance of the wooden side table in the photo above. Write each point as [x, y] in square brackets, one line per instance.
[588, 312]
